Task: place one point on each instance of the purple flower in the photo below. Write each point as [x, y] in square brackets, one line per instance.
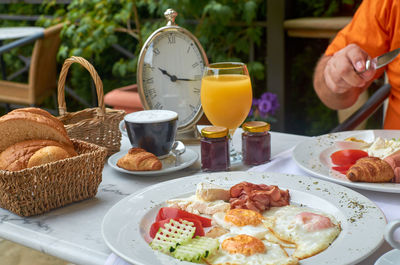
[273, 99]
[275, 107]
[264, 106]
[255, 102]
[269, 96]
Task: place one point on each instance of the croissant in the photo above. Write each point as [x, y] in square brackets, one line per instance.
[370, 169]
[138, 159]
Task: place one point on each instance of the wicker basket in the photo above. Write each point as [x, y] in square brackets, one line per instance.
[94, 125]
[37, 190]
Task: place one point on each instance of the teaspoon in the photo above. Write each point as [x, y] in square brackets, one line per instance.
[178, 148]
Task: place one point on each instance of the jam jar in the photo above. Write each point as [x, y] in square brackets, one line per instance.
[256, 143]
[214, 149]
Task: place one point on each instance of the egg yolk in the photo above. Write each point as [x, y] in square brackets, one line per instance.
[242, 217]
[243, 244]
[314, 222]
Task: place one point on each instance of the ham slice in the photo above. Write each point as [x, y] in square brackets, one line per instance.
[246, 195]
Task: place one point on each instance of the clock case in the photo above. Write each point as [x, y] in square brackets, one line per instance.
[188, 132]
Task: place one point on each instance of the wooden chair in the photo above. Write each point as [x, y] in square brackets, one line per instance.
[366, 110]
[42, 80]
[344, 114]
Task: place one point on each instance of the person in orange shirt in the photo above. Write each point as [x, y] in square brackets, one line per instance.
[339, 76]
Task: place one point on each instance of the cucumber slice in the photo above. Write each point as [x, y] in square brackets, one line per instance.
[196, 249]
[173, 234]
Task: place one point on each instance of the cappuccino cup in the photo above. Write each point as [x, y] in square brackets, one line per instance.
[389, 233]
[152, 130]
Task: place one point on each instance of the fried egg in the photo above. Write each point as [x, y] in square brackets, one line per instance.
[271, 237]
[310, 230]
[242, 221]
[249, 250]
[383, 147]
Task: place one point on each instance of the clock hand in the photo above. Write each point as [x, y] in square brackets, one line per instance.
[172, 77]
[185, 79]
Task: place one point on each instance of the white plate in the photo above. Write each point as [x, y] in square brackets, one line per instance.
[313, 156]
[390, 258]
[186, 159]
[126, 225]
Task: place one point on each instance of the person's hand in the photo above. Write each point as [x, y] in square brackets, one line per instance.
[345, 69]
[394, 161]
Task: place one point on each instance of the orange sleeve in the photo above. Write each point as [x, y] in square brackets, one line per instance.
[368, 29]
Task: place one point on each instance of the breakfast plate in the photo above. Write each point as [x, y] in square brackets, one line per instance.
[126, 225]
[313, 156]
[185, 160]
[390, 258]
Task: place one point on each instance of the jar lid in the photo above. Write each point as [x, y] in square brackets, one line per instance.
[256, 126]
[214, 132]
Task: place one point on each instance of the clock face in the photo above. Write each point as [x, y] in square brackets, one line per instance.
[170, 69]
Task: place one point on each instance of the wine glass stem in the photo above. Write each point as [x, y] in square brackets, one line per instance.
[234, 155]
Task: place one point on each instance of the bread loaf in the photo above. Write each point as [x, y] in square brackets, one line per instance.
[43, 113]
[137, 159]
[370, 169]
[18, 126]
[17, 156]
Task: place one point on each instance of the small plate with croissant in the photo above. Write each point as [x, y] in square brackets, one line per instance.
[138, 161]
[374, 172]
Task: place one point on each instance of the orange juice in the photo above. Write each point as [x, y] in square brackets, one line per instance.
[226, 99]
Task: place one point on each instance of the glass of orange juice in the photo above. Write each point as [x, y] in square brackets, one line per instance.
[226, 97]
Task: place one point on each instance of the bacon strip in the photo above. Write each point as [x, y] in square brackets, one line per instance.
[246, 195]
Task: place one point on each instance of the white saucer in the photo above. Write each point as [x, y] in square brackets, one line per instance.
[390, 258]
[186, 159]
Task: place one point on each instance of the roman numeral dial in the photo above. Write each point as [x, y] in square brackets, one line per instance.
[170, 68]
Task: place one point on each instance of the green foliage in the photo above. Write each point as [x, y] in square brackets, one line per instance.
[11, 57]
[207, 19]
[226, 29]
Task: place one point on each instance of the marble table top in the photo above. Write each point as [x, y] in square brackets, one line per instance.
[73, 232]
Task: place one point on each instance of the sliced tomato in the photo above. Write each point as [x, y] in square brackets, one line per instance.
[347, 156]
[175, 213]
[160, 224]
[342, 169]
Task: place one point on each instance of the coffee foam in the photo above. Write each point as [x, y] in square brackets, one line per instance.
[151, 116]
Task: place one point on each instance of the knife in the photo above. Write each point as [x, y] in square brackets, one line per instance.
[382, 60]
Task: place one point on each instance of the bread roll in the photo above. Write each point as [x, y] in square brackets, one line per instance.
[18, 126]
[16, 157]
[137, 159]
[47, 154]
[370, 169]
